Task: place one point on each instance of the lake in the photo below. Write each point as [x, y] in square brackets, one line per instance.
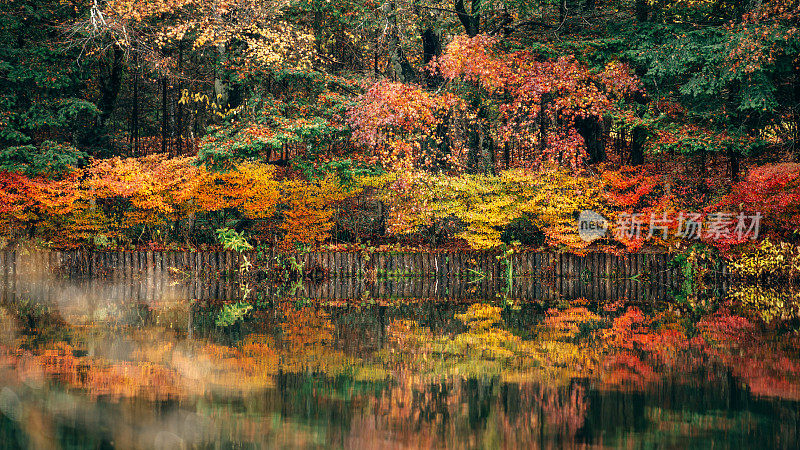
[158, 363]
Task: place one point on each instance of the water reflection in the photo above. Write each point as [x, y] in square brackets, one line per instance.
[142, 365]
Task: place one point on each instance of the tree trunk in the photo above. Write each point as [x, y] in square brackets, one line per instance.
[642, 8]
[133, 138]
[221, 87]
[111, 87]
[543, 123]
[164, 114]
[179, 109]
[591, 129]
[470, 21]
[796, 110]
[733, 163]
[399, 68]
[638, 139]
[431, 48]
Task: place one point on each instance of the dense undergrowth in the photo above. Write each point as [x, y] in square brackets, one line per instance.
[165, 202]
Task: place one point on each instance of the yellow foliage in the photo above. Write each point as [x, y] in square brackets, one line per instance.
[550, 198]
[768, 304]
[775, 260]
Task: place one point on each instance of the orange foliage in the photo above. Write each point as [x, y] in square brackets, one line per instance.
[251, 187]
[772, 190]
[308, 210]
[112, 196]
[16, 199]
[154, 185]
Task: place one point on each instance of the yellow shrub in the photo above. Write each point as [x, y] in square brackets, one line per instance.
[551, 199]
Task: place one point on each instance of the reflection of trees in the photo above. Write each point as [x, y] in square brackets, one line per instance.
[643, 350]
[472, 412]
[488, 349]
[770, 304]
[156, 362]
[481, 384]
[463, 382]
[308, 346]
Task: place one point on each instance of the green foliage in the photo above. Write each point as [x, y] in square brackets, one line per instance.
[48, 158]
[696, 264]
[347, 170]
[231, 240]
[232, 313]
[305, 114]
[506, 260]
[715, 86]
[47, 119]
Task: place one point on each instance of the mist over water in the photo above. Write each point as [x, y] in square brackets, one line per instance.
[141, 363]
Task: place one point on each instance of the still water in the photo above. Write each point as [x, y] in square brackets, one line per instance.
[107, 364]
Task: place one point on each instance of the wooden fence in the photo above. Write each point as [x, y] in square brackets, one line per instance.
[469, 265]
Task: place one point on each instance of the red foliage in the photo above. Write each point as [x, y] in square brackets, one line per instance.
[547, 97]
[393, 119]
[772, 190]
[15, 192]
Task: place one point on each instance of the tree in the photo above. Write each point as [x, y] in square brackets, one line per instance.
[48, 114]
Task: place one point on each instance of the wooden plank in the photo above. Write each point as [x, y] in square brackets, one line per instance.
[624, 266]
[148, 262]
[560, 265]
[334, 264]
[113, 263]
[572, 266]
[528, 262]
[158, 263]
[125, 265]
[393, 264]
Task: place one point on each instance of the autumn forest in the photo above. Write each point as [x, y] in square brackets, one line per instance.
[545, 207]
